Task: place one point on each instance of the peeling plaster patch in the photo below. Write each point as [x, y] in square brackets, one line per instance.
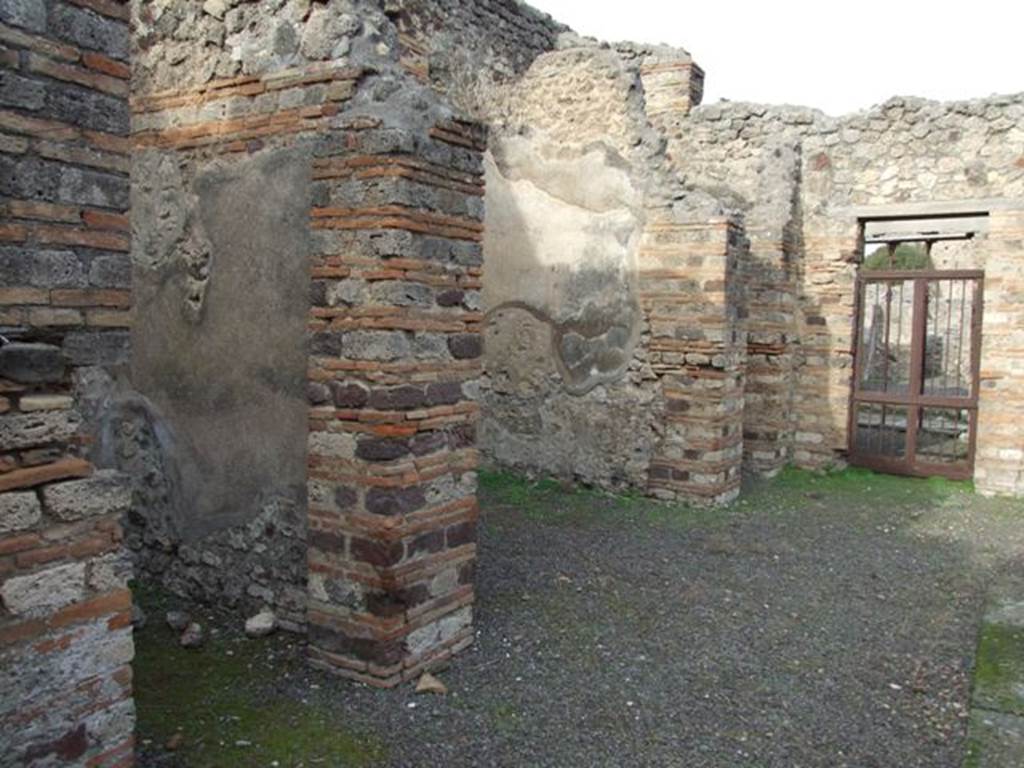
[166, 234]
[561, 241]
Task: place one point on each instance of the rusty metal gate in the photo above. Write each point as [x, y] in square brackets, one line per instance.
[914, 408]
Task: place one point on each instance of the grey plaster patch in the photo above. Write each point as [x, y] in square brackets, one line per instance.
[239, 429]
[562, 234]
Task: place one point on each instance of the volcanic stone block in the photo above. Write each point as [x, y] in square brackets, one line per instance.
[32, 363]
[105, 493]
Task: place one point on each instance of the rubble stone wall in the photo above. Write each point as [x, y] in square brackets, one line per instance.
[469, 50]
[566, 390]
[65, 315]
[577, 176]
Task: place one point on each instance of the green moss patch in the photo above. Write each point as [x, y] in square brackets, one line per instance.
[854, 480]
[996, 740]
[231, 704]
[549, 501]
[999, 669]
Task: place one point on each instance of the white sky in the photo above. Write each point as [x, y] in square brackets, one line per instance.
[838, 57]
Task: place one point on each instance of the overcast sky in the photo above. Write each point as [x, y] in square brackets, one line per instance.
[838, 57]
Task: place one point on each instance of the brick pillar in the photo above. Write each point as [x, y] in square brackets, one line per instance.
[821, 403]
[673, 85]
[395, 354]
[691, 298]
[999, 463]
[65, 611]
[771, 301]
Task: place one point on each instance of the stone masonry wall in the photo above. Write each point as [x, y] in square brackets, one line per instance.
[798, 176]
[228, 101]
[469, 50]
[567, 390]
[65, 311]
[577, 175]
[316, 157]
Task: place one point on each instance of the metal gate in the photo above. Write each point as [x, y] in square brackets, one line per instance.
[914, 408]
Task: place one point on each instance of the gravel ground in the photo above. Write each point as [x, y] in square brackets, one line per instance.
[820, 622]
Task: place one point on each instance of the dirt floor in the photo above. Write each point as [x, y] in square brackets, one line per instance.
[820, 621]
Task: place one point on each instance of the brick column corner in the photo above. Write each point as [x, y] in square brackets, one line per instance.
[692, 296]
[395, 352]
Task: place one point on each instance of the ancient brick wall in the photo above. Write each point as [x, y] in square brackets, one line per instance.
[65, 311]
[799, 176]
[328, 165]
[395, 359]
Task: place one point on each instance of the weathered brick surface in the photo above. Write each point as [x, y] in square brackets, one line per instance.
[999, 466]
[673, 83]
[64, 641]
[691, 291]
[289, 102]
[392, 505]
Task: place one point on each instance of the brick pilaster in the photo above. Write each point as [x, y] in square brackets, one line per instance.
[690, 295]
[771, 303]
[395, 348]
[999, 464]
[672, 87]
[825, 326]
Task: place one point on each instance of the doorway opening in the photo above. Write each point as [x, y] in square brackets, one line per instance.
[914, 408]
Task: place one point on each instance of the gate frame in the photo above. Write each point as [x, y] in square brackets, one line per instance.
[915, 400]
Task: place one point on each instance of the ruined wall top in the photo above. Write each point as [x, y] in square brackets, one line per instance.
[178, 45]
[902, 150]
[470, 49]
